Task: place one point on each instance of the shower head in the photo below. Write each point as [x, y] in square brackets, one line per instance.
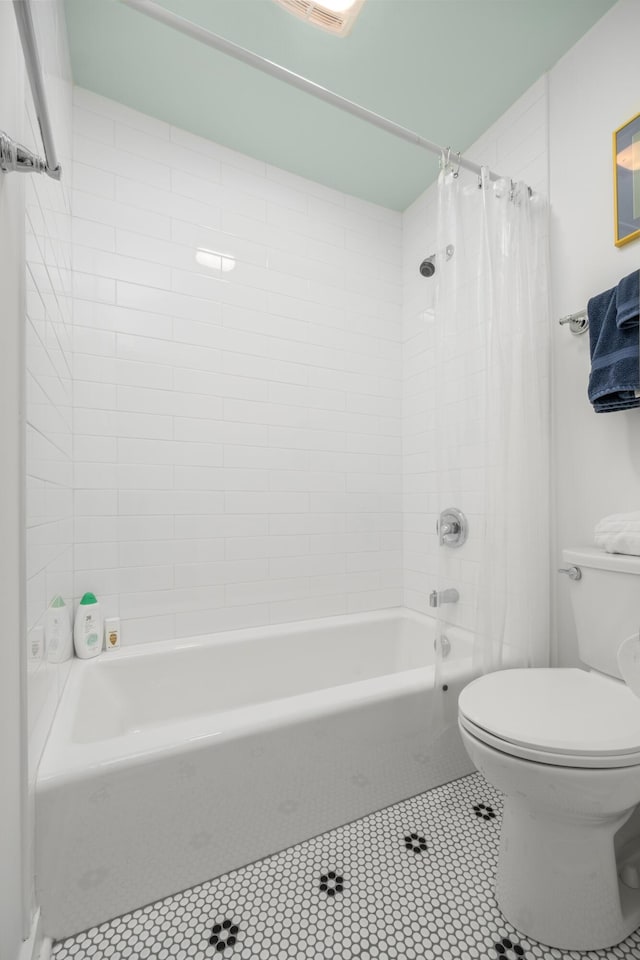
[428, 267]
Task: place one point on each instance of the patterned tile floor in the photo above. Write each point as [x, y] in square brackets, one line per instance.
[412, 881]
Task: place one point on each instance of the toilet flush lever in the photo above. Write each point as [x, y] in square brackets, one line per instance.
[574, 573]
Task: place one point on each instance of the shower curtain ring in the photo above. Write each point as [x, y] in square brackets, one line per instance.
[456, 172]
[444, 159]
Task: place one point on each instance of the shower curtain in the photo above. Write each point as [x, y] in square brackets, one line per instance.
[490, 383]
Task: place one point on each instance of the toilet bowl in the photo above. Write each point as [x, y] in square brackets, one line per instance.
[563, 746]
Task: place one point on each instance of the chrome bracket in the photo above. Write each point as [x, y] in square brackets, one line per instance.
[578, 322]
[452, 527]
[15, 157]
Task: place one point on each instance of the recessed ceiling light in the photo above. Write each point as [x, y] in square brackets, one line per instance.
[338, 6]
[336, 16]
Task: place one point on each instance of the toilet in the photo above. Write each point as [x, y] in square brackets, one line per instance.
[563, 746]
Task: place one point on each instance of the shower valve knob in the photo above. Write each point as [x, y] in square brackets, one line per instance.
[452, 527]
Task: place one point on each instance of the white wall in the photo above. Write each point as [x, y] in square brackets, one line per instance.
[13, 787]
[593, 90]
[516, 145]
[237, 434]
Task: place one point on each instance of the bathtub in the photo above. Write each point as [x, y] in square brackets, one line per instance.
[173, 762]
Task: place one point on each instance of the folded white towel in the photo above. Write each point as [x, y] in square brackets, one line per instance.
[619, 533]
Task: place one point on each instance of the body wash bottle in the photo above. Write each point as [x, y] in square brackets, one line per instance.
[57, 632]
[88, 628]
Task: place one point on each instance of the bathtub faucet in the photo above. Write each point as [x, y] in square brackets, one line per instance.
[450, 595]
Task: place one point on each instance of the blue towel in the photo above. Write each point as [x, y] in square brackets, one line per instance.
[628, 301]
[614, 335]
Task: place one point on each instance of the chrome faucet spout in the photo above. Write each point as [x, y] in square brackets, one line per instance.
[450, 595]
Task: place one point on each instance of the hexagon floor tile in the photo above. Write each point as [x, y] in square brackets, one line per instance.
[412, 881]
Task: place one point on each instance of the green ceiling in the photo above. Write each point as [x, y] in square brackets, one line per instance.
[445, 68]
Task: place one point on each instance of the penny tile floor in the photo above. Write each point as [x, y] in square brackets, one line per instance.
[412, 881]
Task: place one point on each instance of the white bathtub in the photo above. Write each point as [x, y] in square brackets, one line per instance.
[174, 762]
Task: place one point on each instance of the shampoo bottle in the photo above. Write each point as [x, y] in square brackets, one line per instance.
[57, 632]
[88, 628]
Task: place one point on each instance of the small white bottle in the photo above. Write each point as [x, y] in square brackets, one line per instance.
[112, 633]
[57, 632]
[88, 628]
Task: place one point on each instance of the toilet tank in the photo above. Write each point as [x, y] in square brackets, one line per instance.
[606, 604]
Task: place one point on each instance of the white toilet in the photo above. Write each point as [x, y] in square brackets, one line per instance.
[563, 745]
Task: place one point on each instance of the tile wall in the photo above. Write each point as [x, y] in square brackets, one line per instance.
[237, 385]
[251, 360]
[47, 397]
[48, 383]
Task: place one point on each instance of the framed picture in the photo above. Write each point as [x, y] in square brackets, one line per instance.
[626, 181]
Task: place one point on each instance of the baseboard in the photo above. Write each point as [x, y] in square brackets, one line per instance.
[45, 948]
[37, 947]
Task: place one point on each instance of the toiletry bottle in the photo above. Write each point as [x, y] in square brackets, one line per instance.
[112, 633]
[57, 632]
[88, 628]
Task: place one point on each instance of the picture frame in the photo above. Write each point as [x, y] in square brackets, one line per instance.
[626, 181]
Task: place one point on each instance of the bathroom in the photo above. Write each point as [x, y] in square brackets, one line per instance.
[224, 417]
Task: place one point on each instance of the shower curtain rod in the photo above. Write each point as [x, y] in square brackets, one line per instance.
[13, 156]
[176, 22]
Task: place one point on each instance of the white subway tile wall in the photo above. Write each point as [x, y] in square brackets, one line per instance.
[237, 385]
[516, 146]
[48, 384]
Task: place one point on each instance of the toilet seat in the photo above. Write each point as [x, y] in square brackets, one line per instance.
[559, 716]
[584, 761]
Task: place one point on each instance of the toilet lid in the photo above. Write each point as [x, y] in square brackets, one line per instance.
[556, 711]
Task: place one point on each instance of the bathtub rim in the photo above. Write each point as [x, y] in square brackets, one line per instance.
[244, 634]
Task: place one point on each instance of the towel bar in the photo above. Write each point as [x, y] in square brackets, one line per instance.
[578, 322]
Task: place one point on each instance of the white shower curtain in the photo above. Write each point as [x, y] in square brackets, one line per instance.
[491, 389]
